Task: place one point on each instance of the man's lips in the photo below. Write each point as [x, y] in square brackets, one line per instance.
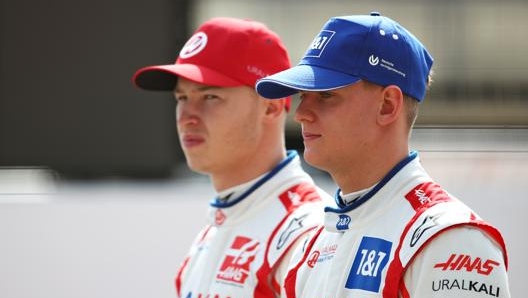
[308, 136]
[191, 140]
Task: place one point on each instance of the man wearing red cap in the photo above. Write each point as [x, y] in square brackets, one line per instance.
[265, 201]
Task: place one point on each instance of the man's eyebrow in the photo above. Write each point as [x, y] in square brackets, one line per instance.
[200, 89]
[207, 88]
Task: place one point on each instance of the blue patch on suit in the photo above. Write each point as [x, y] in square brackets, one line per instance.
[343, 222]
[371, 258]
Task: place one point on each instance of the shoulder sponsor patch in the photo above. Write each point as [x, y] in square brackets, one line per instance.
[298, 194]
[294, 226]
[425, 193]
[427, 223]
[371, 258]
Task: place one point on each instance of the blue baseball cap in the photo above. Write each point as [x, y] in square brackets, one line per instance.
[352, 48]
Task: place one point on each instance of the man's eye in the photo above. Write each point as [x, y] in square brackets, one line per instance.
[210, 96]
[325, 94]
[319, 95]
[180, 97]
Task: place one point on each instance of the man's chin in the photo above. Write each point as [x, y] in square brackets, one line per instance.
[313, 158]
[196, 164]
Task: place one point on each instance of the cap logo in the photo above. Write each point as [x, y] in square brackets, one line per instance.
[194, 45]
[319, 43]
[256, 71]
[373, 60]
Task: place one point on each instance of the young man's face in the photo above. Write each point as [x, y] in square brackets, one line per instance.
[338, 125]
[218, 127]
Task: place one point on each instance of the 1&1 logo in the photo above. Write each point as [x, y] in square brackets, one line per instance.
[371, 258]
[343, 222]
[319, 43]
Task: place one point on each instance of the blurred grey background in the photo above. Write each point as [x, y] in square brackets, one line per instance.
[67, 102]
[95, 197]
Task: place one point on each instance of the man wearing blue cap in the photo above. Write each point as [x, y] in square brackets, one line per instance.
[393, 232]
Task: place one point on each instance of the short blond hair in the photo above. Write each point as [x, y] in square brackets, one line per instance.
[412, 104]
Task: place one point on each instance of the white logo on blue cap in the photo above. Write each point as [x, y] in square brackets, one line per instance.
[373, 60]
[319, 43]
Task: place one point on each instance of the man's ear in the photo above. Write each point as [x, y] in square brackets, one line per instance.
[391, 105]
[275, 107]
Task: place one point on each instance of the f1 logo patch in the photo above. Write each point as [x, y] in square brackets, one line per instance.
[371, 258]
[319, 43]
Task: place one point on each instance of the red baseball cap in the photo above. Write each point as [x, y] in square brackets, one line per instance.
[223, 52]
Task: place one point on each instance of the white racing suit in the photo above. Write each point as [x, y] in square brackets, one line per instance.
[241, 252]
[406, 237]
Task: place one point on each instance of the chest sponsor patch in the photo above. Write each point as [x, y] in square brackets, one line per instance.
[298, 194]
[325, 254]
[371, 258]
[236, 265]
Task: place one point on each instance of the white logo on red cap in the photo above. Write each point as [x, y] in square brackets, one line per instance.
[194, 45]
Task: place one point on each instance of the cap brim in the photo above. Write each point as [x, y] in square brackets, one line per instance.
[302, 78]
[164, 77]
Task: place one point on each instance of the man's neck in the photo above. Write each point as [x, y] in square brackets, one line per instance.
[245, 171]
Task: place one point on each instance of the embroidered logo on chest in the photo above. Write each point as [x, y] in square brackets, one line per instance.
[236, 265]
[325, 254]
